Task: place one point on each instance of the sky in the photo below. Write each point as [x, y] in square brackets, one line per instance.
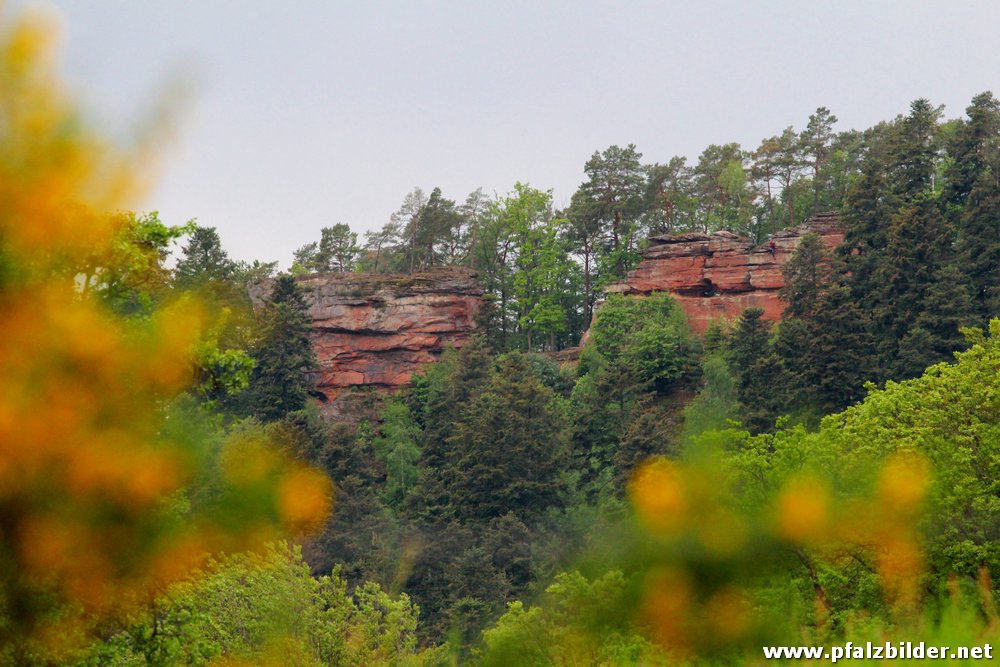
[300, 114]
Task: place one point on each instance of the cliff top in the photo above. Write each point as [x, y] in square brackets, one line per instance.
[821, 223]
[442, 280]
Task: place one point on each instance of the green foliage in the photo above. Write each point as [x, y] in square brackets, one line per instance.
[490, 476]
[580, 622]
[875, 528]
[267, 609]
[336, 251]
[220, 373]
[509, 446]
[397, 448]
[720, 183]
[130, 276]
[649, 336]
[670, 201]
[758, 371]
[523, 255]
[947, 415]
[805, 274]
[203, 261]
[835, 352]
[639, 351]
[612, 197]
[716, 400]
[494, 452]
[283, 354]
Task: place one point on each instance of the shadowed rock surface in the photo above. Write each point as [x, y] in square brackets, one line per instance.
[720, 274]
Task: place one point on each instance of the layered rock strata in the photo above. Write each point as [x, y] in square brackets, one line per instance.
[719, 275]
[378, 330]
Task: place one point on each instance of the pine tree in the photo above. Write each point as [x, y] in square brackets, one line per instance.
[670, 202]
[719, 184]
[759, 372]
[918, 247]
[285, 359]
[806, 272]
[840, 356]
[438, 399]
[974, 191]
[337, 251]
[203, 260]
[431, 224]
[936, 335]
[512, 445]
[816, 141]
[613, 197]
[749, 341]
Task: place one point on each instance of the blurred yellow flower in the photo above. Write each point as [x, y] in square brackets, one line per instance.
[87, 468]
[903, 481]
[667, 602]
[658, 493]
[304, 499]
[728, 614]
[803, 509]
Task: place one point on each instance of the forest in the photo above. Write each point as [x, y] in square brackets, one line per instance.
[170, 493]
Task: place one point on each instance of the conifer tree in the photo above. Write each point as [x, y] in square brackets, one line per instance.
[974, 192]
[602, 405]
[792, 340]
[438, 399]
[337, 251]
[749, 342]
[816, 141]
[936, 334]
[917, 248]
[840, 355]
[806, 272]
[973, 148]
[613, 195]
[669, 201]
[203, 260]
[285, 359]
[978, 246]
[915, 147]
[511, 444]
[759, 372]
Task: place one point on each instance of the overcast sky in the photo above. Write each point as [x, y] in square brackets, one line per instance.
[305, 114]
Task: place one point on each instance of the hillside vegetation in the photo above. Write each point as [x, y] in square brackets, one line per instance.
[170, 494]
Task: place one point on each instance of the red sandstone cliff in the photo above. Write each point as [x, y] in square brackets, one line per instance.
[378, 330]
[719, 275]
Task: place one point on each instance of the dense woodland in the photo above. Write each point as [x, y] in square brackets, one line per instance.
[166, 481]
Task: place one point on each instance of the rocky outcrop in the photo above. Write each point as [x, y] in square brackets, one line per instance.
[374, 330]
[721, 274]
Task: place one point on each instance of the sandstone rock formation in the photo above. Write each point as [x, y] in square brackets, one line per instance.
[378, 330]
[719, 275]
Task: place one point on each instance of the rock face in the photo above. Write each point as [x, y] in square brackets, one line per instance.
[378, 330]
[719, 275]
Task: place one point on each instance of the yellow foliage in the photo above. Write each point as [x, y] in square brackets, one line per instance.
[904, 481]
[658, 495]
[803, 509]
[667, 608]
[729, 615]
[304, 499]
[85, 467]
